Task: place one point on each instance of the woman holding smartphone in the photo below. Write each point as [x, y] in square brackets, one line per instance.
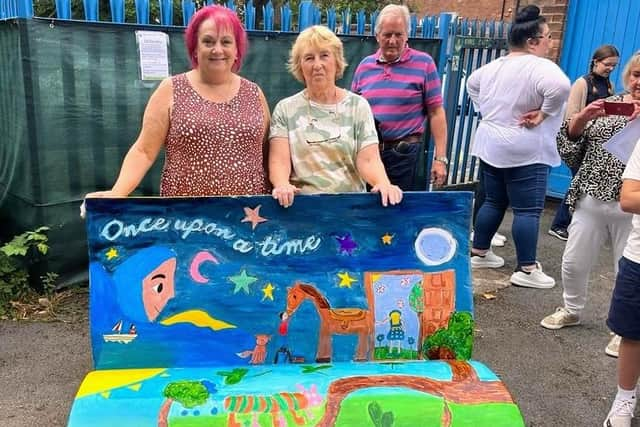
[586, 89]
[594, 197]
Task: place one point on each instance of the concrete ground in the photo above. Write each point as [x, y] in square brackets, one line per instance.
[558, 378]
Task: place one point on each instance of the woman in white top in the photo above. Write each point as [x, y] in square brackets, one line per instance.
[521, 98]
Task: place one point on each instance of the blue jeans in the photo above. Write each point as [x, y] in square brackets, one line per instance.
[479, 193]
[522, 187]
[400, 164]
[562, 219]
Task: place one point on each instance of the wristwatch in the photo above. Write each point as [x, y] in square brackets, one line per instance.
[442, 159]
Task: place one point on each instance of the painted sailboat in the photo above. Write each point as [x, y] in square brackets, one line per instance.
[118, 336]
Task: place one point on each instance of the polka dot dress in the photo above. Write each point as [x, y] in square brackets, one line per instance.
[214, 148]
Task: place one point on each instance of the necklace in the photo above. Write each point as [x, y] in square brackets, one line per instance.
[334, 113]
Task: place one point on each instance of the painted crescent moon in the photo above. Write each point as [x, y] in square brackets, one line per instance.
[194, 270]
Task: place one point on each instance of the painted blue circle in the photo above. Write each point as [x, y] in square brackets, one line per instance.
[196, 412]
[184, 413]
[435, 246]
[214, 410]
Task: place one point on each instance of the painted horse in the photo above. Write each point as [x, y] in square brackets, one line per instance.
[341, 321]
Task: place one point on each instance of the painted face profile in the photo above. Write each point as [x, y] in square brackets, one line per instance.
[158, 287]
[145, 282]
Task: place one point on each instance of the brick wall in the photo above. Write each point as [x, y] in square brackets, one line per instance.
[556, 13]
[554, 10]
[482, 9]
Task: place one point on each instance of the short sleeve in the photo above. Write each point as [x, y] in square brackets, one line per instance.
[279, 127]
[632, 171]
[365, 125]
[355, 82]
[554, 87]
[432, 88]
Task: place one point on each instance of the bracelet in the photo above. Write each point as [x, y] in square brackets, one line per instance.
[442, 159]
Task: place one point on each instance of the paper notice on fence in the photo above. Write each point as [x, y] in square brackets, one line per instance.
[154, 54]
[622, 143]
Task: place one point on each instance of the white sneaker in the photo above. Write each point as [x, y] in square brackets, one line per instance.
[497, 240]
[535, 279]
[561, 318]
[620, 414]
[614, 345]
[488, 260]
[501, 237]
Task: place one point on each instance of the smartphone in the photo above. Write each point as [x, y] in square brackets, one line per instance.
[619, 108]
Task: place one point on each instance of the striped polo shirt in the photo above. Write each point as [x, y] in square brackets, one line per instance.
[400, 93]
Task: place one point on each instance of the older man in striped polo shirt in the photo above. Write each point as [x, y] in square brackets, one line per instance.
[403, 89]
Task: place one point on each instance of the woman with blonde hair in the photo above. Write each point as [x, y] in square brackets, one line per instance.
[323, 139]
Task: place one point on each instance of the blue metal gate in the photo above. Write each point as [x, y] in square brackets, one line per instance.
[476, 45]
[591, 23]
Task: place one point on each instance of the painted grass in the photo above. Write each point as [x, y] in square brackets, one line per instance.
[382, 353]
[409, 410]
[415, 410]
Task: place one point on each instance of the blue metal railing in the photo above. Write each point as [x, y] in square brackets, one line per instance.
[445, 27]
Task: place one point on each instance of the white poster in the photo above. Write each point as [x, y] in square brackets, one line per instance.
[622, 143]
[153, 47]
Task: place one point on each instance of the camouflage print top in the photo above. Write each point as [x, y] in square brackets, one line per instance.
[324, 141]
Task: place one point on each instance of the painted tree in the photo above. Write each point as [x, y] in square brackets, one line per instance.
[188, 393]
[453, 342]
[416, 302]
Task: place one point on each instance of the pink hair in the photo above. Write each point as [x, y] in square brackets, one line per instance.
[223, 18]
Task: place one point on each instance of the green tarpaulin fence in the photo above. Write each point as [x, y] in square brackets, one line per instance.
[71, 104]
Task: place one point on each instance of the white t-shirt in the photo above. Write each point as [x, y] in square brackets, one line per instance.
[632, 171]
[502, 91]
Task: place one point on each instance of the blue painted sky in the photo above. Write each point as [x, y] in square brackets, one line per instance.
[327, 235]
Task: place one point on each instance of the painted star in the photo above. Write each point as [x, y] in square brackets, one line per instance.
[386, 239]
[345, 280]
[347, 245]
[242, 281]
[268, 292]
[111, 253]
[253, 216]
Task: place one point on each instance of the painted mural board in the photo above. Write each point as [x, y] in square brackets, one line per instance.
[234, 311]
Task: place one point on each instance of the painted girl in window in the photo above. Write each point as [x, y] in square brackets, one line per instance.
[395, 336]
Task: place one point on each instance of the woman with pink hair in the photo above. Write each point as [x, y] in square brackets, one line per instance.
[211, 122]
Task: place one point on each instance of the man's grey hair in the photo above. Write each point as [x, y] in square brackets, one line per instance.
[390, 10]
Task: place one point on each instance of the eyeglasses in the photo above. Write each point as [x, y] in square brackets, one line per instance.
[548, 36]
[609, 64]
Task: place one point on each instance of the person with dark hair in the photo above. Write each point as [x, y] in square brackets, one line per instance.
[520, 97]
[594, 198]
[211, 122]
[586, 89]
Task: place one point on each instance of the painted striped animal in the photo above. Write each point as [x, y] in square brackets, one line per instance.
[276, 404]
